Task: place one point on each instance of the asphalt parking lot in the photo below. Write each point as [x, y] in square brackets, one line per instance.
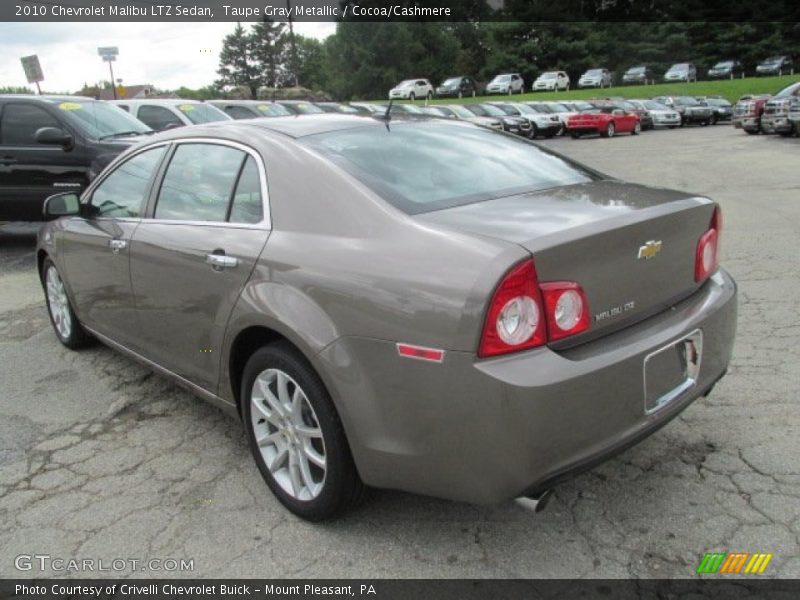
[101, 459]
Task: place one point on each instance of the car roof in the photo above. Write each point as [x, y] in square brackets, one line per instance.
[49, 98]
[156, 101]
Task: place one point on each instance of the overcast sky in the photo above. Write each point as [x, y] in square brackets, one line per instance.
[166, 55]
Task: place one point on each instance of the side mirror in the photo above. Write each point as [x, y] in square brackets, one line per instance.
[62, 205]
[53, 136]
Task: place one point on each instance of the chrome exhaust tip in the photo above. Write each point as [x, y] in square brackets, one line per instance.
[536, 503]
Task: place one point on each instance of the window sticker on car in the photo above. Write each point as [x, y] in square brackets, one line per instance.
[263, 107]
[185, 107]
[70, 106]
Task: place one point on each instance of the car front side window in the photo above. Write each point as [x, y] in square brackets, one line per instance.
[20, 122]
[122, 193]
[198, 183]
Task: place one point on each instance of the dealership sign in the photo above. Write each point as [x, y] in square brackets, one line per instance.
[33, 70]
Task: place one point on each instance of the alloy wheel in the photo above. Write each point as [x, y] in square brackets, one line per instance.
[288, 434]
[58, 303]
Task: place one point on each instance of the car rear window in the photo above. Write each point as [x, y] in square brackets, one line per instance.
[435, 164]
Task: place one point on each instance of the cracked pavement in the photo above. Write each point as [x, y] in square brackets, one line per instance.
[100, 458]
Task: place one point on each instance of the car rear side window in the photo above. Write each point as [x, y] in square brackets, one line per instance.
[157, 117]
[438, 164]
[198, 183]
[20, 122]
[122, 193]
[247, 204]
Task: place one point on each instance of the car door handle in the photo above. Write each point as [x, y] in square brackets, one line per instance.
[221, 261]
[117, 245]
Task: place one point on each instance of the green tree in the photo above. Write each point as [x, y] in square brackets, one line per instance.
[238, 65]
[269, 52]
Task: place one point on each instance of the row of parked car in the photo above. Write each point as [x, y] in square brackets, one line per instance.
[778, 113]
[90, 133]
[463, 86]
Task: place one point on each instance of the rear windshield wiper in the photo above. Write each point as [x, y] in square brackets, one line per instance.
[122, 133]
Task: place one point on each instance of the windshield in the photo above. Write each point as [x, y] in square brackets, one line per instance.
[410, 109]
[594, 72]
[462, 112]
[501, 79]
[452, 81]
[724, 64]
[494, 111]
[653, 105]
[717, 102]
[407, 83]
[98, 119]
[555, 107]
[202, 113]
[547, 76]
[679, 67]
[527, 109]
[772, 60]
[273, 110]
[306, 108]
[636, 70]
[419, 168]
[684, 101]
[790, 90]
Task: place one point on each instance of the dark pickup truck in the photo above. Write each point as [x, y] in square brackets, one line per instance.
[51, 144]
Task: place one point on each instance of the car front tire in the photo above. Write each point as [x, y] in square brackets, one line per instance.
[296, 436]
[66, 326]
[637, 129]
[412, 96]
[610, 130]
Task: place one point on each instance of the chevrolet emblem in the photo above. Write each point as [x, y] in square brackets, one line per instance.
[649, 250]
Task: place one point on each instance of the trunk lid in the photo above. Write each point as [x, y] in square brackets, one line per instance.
[600, 235]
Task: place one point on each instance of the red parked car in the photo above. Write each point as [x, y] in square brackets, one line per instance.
[606, 120]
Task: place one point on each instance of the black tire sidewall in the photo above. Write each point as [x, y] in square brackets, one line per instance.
[340, 474]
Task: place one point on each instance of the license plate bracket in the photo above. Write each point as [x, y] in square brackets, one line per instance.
[671, 370]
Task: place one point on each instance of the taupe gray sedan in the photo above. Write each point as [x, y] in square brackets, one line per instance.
[422, 305]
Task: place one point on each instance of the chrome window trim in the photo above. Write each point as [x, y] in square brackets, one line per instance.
[265, 223]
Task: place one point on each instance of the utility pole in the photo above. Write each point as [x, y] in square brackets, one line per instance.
[293, 47]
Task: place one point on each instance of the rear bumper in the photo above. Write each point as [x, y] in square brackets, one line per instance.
[489, 430]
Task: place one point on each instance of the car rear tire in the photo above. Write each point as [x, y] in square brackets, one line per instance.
[460, 94]
[610, 130]
[534, 131]
[713, 120]
[66, 326]
[296, 436]
[412, 96]
[637, 129]
[429, 96]
[574, 135]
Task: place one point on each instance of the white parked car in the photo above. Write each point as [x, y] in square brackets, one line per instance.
[552, 81]
[558, 109]
[506, 83]
[166, 113]
[681, 72]
[411, 89]
[595, 78]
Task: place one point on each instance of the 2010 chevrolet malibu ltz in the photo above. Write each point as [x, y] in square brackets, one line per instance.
[421, 305]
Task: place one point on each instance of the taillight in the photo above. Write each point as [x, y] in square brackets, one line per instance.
[566, 308]
[524, 314]
[514, 320]
[707, 255]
